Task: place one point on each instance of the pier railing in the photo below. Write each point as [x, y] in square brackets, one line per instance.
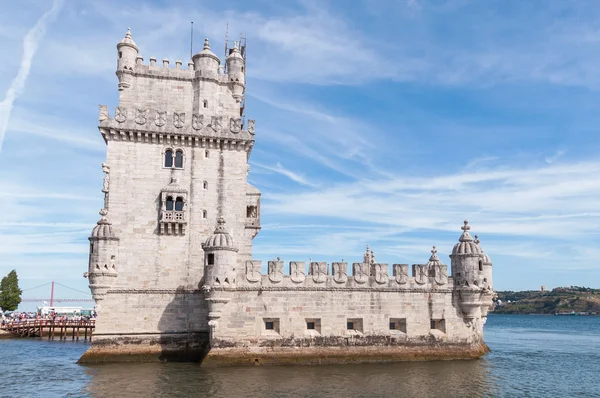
[59, 329]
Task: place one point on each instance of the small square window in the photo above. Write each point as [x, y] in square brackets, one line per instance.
[350, 325]
[269, 325]
[398, 324]
[438, 324]
[354, 325]
[310, 325]
[392, 326]
[313, 326]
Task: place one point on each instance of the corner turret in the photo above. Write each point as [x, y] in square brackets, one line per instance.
[103, 253]
[127, 54]
[236, 73]
[206, 63]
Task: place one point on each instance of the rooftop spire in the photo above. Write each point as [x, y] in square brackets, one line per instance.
[128, 34]
[434, 256]
[465, 237]
[206, 44]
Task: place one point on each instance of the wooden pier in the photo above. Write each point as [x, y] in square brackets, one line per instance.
[61, 330]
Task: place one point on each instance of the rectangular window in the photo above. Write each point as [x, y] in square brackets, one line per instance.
[438, 324]
[211, 259]
[350, 325]
[313, 326]
[271, 326]
[310, 325]
[354, 324]
[398, 324]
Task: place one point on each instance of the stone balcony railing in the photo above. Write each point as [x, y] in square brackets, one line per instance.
[173, 216]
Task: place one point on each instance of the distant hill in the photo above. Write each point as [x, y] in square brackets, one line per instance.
[558, 300]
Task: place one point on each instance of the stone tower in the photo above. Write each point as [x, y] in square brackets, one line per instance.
[177, 150]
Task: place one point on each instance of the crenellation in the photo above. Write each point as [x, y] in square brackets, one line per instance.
[171, 256]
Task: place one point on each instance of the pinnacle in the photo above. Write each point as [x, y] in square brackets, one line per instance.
[206, 44]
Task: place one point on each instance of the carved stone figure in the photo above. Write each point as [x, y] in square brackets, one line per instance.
[216, 123]
[106, 170]
[297, 271]
[178, 119]
[340, 272]
[103, 113]
[235, 125]
[141, 116]
[253, 270]
[276, 271]
[360, 272]
[121, 114]
[318, 270]
[401, 273]
[251, 126]
[197, 122]
[381, 273]
[161, 118]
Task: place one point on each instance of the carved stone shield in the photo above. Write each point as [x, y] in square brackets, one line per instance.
[121, 114]
[141, 115]
[253, 270]
[251, 126]
[297, 271]
[275, 271]
[161, 118]
[381, 273]
[420, 273]
[340, 272]
[401, 273]
[178, 119]
[318, 270]
[216, 123]
[235, 125]
[441, 274]
[360, 272]
[103, 113]
[197, 122]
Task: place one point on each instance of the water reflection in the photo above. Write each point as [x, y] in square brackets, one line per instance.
[411, 379]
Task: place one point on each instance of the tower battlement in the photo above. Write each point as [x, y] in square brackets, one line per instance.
[171, 265]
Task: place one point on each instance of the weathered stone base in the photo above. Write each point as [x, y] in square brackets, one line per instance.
[340, 355]
[188, 347]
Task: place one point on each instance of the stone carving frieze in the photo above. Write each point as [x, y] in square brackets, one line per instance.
[340, 272]
[441, 274]
[381, 273]
[401, 273]
[216, 123]
[318, 270]
[141, 116]
[251, 126]
[235, 125]
[197, 122]
[161, 118]
[178, 119]
[253, 270]
[297, 271]
[360, 272]
[121, 114]
[276, 271]
[420, 272]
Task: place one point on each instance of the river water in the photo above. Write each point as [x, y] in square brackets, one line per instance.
[532, 356]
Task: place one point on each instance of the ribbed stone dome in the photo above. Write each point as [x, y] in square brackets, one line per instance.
[206, 52]
[127, 40]
[103, 229]
[465, 243]
[434, 260]
[220, 239]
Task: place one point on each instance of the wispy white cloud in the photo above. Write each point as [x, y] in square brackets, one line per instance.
[278, 168]
[30, 45]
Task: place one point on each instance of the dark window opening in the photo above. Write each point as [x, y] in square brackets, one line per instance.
[350, 325]
[169, 203]
[205, 185]
[392, 325]
[206, 154]
[120, 54]
[205, 103]
[269, 325]
[398, 324]
[179, 204]
[179, 159]
[204, 214]
[211, 259]
[169, 158]
[438, 324]
[310, 325]
[251, 212]
[480, 265]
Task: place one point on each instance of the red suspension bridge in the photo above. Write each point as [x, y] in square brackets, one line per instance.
[37, 294]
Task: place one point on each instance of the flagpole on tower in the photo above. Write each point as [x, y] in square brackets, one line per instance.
[191, 39]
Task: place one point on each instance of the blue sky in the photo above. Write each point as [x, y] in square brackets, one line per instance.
[378, 122]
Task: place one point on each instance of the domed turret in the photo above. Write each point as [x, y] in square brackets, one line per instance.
[465, 259]
[103, 254]
[485, 267]
[220, 258]
[127, 55]
[235, 71]
[465, 244]
[206, 63]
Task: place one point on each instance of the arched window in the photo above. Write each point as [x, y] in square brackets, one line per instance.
[170, 203]
[204, 214]
[120, 54]
[480, 265]
[179, 159]
[169, 158]
[179, 204]
[205, 185]
[206, 154]
[211, 259]
[205, 103]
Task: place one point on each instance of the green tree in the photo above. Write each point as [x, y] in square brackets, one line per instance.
[10, 294]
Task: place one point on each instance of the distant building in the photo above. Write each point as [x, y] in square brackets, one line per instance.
[543, 288]
[171, 265]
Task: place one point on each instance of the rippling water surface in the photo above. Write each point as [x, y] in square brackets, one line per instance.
[532, 356]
